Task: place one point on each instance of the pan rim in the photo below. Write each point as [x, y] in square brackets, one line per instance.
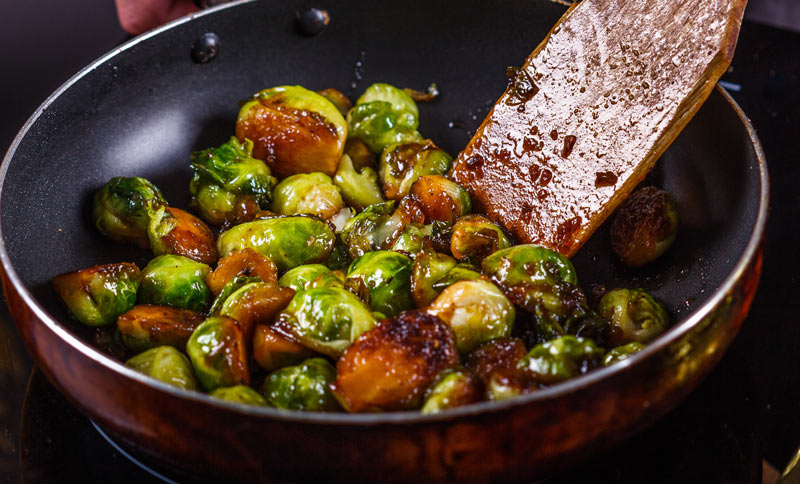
[398, 418]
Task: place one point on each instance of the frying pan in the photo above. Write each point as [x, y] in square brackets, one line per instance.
[141, 109]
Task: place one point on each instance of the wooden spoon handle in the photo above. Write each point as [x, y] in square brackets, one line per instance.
[592, 109]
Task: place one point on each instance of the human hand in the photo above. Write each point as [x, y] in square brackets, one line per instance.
[137, 16]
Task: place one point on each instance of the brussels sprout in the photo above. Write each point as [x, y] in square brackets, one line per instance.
[120, 209]
[359, 187]
[475, 237]
[495, 363]
[644, 227]
[254, 303]
[633, 315]
[307, 193]
[325, 319]
[286, 241]
[622, 352]
[390, 366]
[245, 262]
[402, 164]
[360, 154]
[384, 115]
[302, 387]
[229, 185]
[174, 231]
[477, 311]
[218, 354]
[452, 388]
[240, 394]
[272, 351]
[232, 286]
[561, 359]
[328, 279]
[441, 234]
[360, 233]
[165, 364]
[338, 99]
[429, 267]
[461, 272]
[173, 280]
[97, 295]
[340, 257]
[525, 265]
[410, 241]
[386, 275]
[146, 326]
[294, 130]
[506, 384]
[299, 277]
[440, 198]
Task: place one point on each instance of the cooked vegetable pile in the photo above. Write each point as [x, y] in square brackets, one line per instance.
[349, 272]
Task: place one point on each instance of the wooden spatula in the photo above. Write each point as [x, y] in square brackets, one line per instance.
[592, 109]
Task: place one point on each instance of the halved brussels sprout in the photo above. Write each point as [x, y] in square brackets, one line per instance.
[390, 366]
[615, 355]
[386, 276]
[286, 241]
[246, 262]
[411, 240]
[146, 326]
[561, 359]
[384, 115]
[475, 237]
[299, 277]
[325, 319]
[361, 233]
[440, 198]
[218, 354]
[429, 267]
[453, 388]
[476, 310]
[232, 286]
[359, 187]
[240, 394]
[495, 363]
[256, 303]
[165, 364]
[97, 295]
[174, 231]
[644, 227]
[633, 316]
[307, 193]
[294, 130]
[229, 185]
[173, 280]
[338, 99]
[120, 209]
[302, 387]
[402, 164]
[272, 351]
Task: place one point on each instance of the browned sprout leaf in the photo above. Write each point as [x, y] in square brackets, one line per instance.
[273, 351]
[147, 326]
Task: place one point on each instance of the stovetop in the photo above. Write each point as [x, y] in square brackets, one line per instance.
[744, 412]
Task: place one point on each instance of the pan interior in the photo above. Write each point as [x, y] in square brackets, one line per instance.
[144, 110]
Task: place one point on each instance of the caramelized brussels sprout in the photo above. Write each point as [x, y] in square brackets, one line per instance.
[359, 187]
[441, 235]
[644, 227]
[452, 388]
[515, 268]
[362, 233]
[338, 99]
[429, 267]
[307, 193]
[440, 198]
[615, 355]
[410, 240]
[340, 257]
[174, 231]
[232, 286]
[495, 363]
[294, 130]
[240, 394]
[328, 279]
[254, 303]
[477, 311]
[390, 366]
[360, 154]
[218, 354]
[325, 319]
[273, 351]
[402, 164]
[476, 237]
[120, 209]
[246, 262]
[97, 295]
[302, 387]
[146, 326]
[165, 364]
[633, 316]
[299, 277]
[173, 280]
[507, 384]
[386, 277]
[561, 359]
[286, 241]
[229, 185]
[461, 272]
[384, 115]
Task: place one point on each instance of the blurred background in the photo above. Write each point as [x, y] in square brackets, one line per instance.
[47, 41]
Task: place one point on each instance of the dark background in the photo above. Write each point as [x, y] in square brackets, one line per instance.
[749, 407]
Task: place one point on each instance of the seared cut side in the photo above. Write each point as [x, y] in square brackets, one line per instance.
[592, 109]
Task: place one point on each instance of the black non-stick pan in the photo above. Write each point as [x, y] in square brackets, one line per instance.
[141, 110]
